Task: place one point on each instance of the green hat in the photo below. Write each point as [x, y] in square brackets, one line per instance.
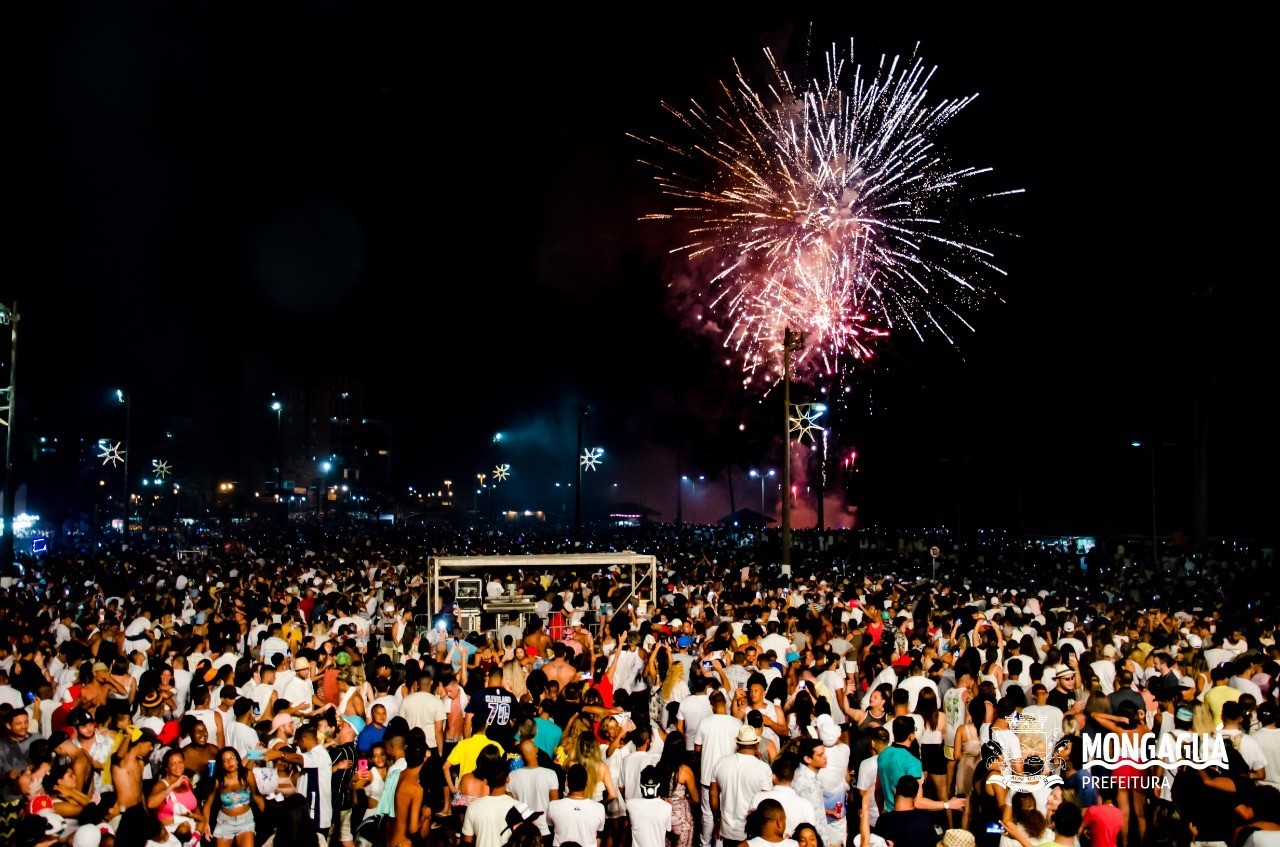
[342, 659]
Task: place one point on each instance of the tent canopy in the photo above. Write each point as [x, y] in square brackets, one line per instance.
[747, 517]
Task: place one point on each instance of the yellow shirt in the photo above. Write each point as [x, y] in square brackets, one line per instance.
[468, 750]
[1215, 697]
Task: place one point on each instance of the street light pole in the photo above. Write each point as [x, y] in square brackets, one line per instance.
[126, 397]
[278, 408]
[9, 315]
[324, 486]
[791, 341]
[1151, 453]
[757, 474]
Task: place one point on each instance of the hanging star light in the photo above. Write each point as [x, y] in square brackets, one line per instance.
[111, 453]
[804, 420]
[501, 472]
[591, 458]
[160, 468]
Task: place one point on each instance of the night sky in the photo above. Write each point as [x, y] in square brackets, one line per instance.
[446, 206]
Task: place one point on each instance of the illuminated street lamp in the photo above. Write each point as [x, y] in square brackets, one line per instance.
[278, 408]
[126, 400]
[755, 474]
[325, 467]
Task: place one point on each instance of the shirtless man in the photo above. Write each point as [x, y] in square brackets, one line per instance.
[559, 670]
[93, 691]
[126, 768]
[537, 642]
[412, 816]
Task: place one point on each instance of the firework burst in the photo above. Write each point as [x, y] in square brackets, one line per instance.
[827, 208]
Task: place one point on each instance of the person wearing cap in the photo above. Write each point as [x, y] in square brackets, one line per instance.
[299, 690]
[649, 814]
[1267, 736]
[735, 780]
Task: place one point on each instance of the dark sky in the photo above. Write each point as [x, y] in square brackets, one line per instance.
[445, 205]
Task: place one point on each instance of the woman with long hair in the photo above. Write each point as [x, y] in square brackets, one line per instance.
[968, 744]
[513, 679]
[1029, 825]
[586, 752]
[173, 800]
[986, 800]
[679, 786]
[933, 760]
[232, 796]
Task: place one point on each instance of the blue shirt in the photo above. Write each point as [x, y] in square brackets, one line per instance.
[547, 738]
[895, 762]
[368, 737]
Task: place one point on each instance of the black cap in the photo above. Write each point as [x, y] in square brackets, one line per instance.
[649, 782]
[80, 717]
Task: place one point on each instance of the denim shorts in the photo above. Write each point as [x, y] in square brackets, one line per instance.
[229, 826]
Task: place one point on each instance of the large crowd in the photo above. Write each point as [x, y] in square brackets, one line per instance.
[296, 686]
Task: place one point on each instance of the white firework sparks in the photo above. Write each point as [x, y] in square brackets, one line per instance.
[829, 210]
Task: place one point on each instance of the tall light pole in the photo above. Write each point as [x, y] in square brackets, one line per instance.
[1151, 447]
[127, 399]
[278, 408]
[755, 474]
[791, 342]
[9, 317]
[325, 467]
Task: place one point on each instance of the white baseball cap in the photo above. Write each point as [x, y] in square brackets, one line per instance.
[1068, 627]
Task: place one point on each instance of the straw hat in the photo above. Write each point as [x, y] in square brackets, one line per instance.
[958, 838]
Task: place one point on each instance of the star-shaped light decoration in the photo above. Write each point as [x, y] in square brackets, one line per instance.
[160, 468]
[804, 420]
[111, 453]
[501, 472]
[591, 458]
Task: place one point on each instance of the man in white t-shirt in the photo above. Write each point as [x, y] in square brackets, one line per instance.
[490, 820]
[315, 763]
[576, 818]
[533, 785]
[774, 827]
[425, 710]
[738, 777]
[797, 808]
[693, 710]
[299, 690]
[650, 815]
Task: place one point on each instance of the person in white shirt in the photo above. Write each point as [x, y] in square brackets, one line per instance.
[693, 709]
[576, 818]
[8, 694]
[635, 762]
[237, 727]
[1267, 737]
[533, 785]
[649, 814]
[425, 710]
[738, 777]
[916, 682]
[299, 690]
[774, 825]
[490, 820]
[315, 763]
[715, 738]
[798, 810]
